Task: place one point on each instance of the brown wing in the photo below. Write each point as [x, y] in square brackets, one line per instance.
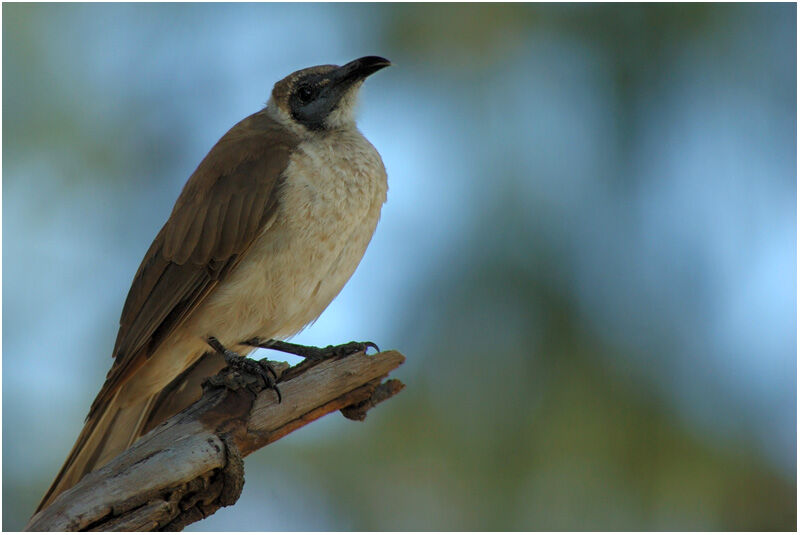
[222, 208]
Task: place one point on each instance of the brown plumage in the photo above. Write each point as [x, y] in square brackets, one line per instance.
[224, 205]
[263, 236]
[215, 219]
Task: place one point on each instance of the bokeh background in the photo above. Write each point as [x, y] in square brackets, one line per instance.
[588, 255]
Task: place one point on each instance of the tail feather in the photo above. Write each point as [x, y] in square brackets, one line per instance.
[107, 433]
[115, 426]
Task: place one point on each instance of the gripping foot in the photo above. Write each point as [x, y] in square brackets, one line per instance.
[311, 352]
[247, 365]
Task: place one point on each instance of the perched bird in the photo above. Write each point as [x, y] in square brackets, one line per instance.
[265, 233]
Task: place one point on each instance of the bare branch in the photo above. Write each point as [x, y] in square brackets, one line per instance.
[191, 465]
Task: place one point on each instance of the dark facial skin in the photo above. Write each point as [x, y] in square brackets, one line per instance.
[316, 95]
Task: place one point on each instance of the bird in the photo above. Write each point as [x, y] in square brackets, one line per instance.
[265, 233]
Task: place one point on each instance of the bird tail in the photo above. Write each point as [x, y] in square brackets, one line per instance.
[107, 432]
[114, 426]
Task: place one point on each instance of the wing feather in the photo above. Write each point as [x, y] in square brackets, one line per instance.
[229, 229]
[219, 213]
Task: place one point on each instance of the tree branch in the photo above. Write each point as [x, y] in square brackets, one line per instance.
[191, 465]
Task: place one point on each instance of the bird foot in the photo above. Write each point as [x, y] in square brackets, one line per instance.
[261, 369]
[311, 352]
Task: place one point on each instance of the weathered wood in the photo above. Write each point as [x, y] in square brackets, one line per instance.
[191, 465]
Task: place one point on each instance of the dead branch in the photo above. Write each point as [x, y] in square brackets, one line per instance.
[191, 465]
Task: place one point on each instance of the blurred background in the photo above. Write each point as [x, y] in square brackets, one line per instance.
[588, 255]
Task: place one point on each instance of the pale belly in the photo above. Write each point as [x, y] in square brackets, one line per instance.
[285, 282]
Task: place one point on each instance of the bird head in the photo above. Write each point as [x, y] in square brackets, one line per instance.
[322, 98]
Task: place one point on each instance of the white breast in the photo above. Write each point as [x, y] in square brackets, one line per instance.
[329, 206]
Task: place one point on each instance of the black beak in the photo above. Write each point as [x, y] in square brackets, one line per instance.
[360, 68]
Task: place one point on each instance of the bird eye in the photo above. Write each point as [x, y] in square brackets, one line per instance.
[305, 93]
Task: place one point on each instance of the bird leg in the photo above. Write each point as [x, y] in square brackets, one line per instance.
[257, 368]
[311, 352]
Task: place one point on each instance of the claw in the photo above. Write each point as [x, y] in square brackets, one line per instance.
[244, 364]
[265, 364]
[271, 382]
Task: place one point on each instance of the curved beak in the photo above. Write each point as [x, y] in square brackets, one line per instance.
[359, 69]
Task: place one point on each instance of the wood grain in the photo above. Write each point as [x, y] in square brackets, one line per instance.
[190, 466]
